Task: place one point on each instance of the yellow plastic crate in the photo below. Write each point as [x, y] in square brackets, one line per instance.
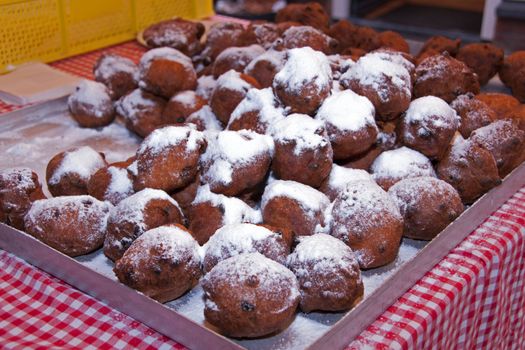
[47, 30]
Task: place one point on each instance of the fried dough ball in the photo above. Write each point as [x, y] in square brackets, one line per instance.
[220, 36]
[505, 141]
[19, 188]
[257, 112]
[393, 40]
[385, 83]
[137, 214]
[502, 104]
[366, 219]
[401, 58]
[302, 150]
[512, 74]
[231, 89]
[309, 14]
[328, 274]
[165, 71]
[168, 158]
[263, 34]
[343, 31]
[398, 164]
[428, 126]
[163, 263]
[73, 225]
[445, 77]
[142, 112]
[68, 172]
[176, 33]
[290, 205]
[264, 67]
[474, 113]
[236, 58]
[354, 53]
[366, 38]
[235, 239]
[427, 205]
[469, 168]
[484, 59]
[338, 179]
[118, 73]
[236, 161]
[349, 122]
[438, 44]
[181, 106]
[304, 81]
[518, 114]
[210, 211]
[205, 119]
[90, 105]
[306, 36]
[112, 183]
[249, 296]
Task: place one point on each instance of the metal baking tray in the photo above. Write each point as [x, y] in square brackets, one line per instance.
[30, 137]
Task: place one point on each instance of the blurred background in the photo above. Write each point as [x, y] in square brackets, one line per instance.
[500, 21]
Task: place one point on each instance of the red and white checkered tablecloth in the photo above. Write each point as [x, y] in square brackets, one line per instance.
[473, 299]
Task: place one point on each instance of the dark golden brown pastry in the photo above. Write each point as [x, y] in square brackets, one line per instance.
[257, 111]
[205, 119]
[502, 104]
[163, 263]
[236, 162]
[393, 40]
[328, 274]
[19, 188]
[142, 112]
[397, 164]
[302, 150]
[304, 81]
[236, 58]
[68, 172]
[439, 44]
[306, 36]
[309, 14]
[181, 106]
[385, 83]
[264, 67]
[220, 36]
[165, 71]
[249, 296]
[177, 33]
[290, 205]
[427, 205]
[91, 105]
[349, 122]
[112, 183]
[428, 126]
[137, 214]
[505, 141]
[367, 219]
[518, 114]
[484, 59]
[445, 77]
[230, 90]
[210, 211]
[512, 74]
[473, 113]
[168, 158]
[343, 31]
[73, 225]
[235, 239]
[118, 73]
[469, 168]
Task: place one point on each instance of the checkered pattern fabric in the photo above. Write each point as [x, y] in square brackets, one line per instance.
[473, 299]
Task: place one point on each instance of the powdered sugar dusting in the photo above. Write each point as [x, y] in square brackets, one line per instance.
[431, 112]
[205, 118]
[205, 86]
[120, 185]
[304, 65]
[264, 102]
[18, 178]
[111, 64]
[275, 58]
[166, 53]
[340, 176]
[186, 98]
[235, 210]
[310, 199]
[401, 163]
[306, 132]
[347, 111]
[93, 94]
[84, 161]
[241, 55]
[130, 105]
[233, 149]
[232, 80]
[171, 136]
